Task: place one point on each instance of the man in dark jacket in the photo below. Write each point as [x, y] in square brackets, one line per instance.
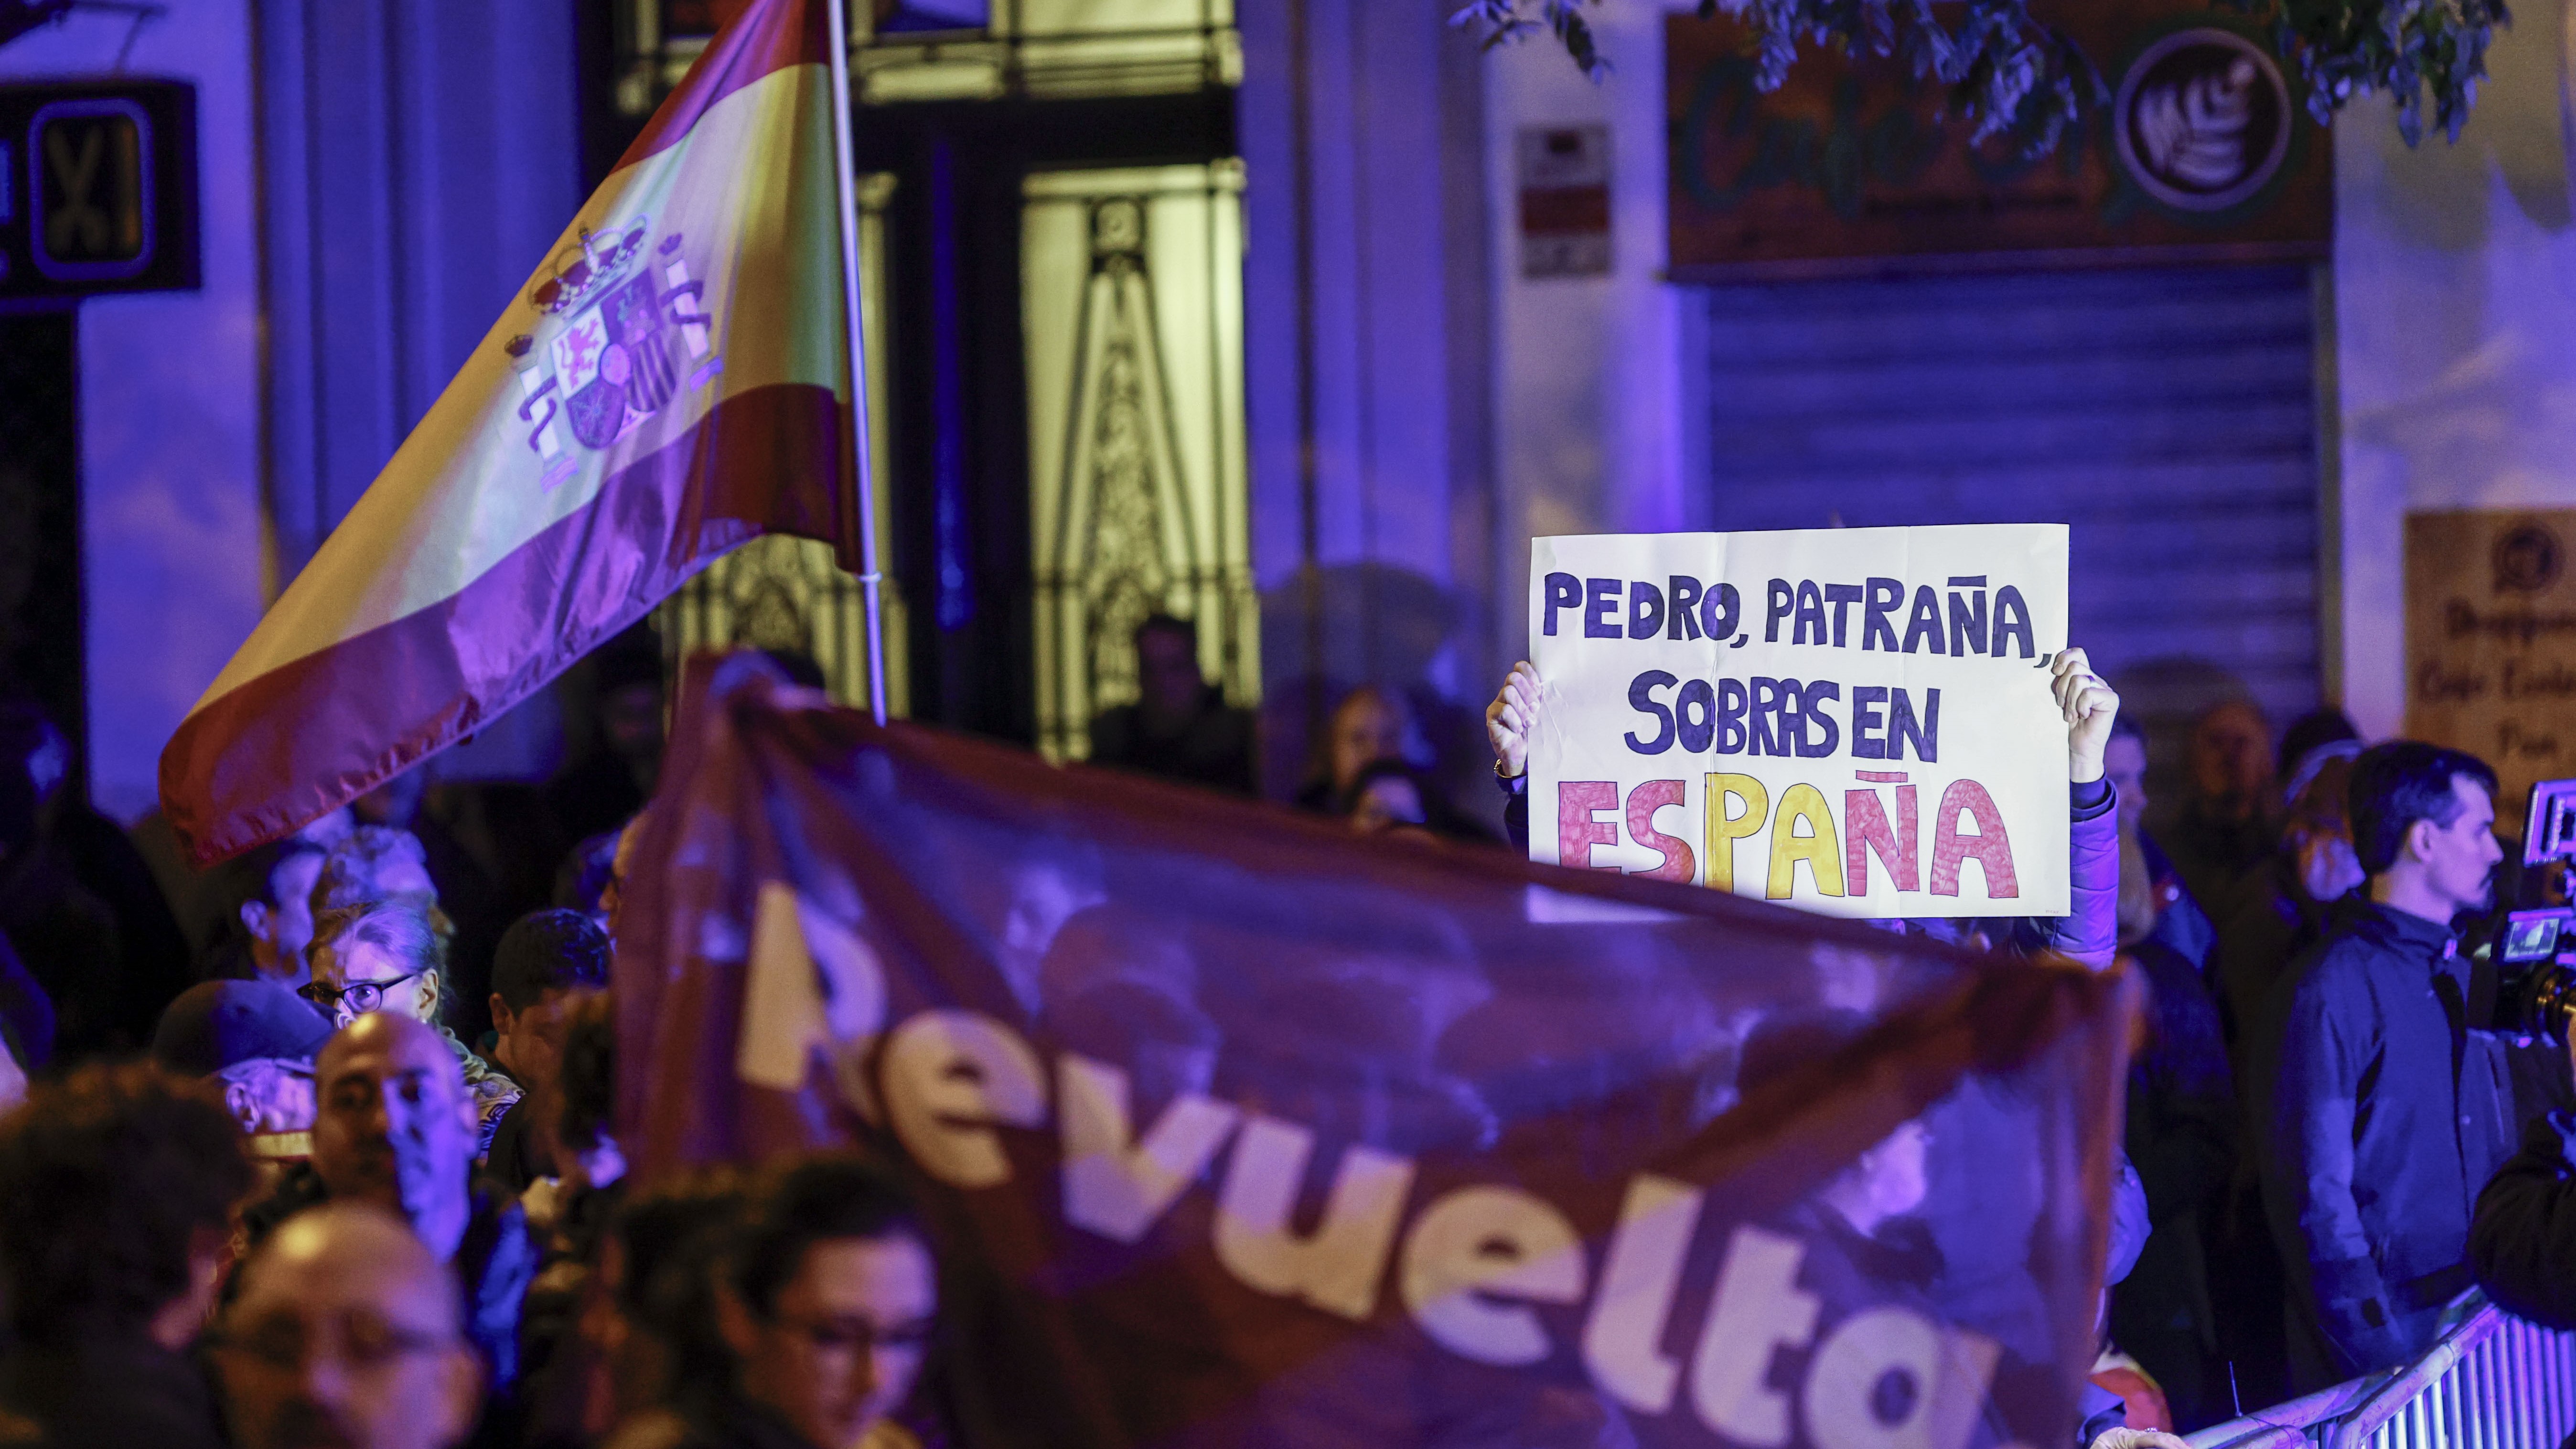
[115, 1186]
[1180, 726]
[2374, 1125]
[547, 962]
[397, 1130]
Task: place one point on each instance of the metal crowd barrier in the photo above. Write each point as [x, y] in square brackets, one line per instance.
[2493, 1382]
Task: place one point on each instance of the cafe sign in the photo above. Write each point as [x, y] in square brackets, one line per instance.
[2491, 641]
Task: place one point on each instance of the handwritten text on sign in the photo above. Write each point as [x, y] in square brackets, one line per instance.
[1855, 721]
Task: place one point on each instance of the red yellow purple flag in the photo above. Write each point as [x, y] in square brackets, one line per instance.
[671, 382]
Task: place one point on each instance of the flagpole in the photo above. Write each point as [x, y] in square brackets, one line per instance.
[845, 184]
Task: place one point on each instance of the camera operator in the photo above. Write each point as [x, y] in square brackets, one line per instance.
[2522, 1240]
[2371, 1149]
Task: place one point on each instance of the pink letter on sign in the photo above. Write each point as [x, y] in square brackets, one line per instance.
[1576, 831]
[1989, 847]
[1678, 862]
[1865, 829]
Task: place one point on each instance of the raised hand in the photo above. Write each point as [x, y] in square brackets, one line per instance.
[2089, 704]
[1511, 719]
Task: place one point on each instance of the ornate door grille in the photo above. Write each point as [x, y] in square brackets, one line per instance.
[1132, 299]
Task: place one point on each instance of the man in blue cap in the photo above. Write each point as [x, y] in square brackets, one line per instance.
[256, 1039]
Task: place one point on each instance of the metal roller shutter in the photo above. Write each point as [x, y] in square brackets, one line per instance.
[2168, 415]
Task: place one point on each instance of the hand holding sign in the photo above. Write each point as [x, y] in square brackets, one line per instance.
[1512, 718]
[2089, 704]
[1844, 719]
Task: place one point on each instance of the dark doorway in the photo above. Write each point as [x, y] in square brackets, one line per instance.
[959, 424]
[42, 639]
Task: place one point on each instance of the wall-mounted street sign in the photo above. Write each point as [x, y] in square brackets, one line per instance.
[98, 188]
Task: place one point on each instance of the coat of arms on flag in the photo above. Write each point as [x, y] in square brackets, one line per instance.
[615, 357]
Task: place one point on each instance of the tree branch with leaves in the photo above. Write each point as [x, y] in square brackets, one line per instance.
[2013, 74]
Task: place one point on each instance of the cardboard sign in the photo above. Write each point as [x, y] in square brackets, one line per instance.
[1856, 721]
[2491, 643]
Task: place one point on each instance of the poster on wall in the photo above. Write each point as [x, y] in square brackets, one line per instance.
[1853, 721]
[2203, 152]
[2491, 643]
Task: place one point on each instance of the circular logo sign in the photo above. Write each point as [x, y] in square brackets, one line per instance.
[2202, 120]
[2526, 559]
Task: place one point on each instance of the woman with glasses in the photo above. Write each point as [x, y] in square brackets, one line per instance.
[390, 956]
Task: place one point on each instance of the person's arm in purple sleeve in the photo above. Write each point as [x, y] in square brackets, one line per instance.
[1509, 721]
[2090, 933]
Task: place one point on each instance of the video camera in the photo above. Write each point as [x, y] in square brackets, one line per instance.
[2536, 958]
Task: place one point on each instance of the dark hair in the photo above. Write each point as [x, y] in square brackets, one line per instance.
[672, 1238]
[2324, 804]
[549, 951]
[1167, 624]
[629, 659]
[1387, 769]
[1440, 815]
[586, 1084]
[821, 1198]
[2398, 783]
[249, 876]
[104, 1177]
[2317, 727]
[581, 882]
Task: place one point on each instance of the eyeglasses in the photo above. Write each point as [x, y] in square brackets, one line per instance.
[357, 998]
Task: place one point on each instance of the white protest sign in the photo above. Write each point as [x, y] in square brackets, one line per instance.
[1856, 721]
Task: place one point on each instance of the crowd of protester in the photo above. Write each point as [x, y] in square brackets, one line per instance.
[346, 1172]
[343, 1171]
[311, 1212]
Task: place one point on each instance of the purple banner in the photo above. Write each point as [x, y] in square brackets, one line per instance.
[1234, 1129]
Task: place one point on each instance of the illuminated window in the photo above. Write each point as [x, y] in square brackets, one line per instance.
[988, 49]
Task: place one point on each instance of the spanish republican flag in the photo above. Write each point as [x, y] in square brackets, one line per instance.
[672, 382]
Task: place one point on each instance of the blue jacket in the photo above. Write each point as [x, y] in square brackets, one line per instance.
[2375, 1123]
